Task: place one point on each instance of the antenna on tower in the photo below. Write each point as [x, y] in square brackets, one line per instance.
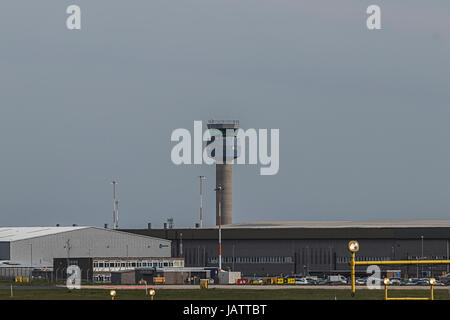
[116, 207]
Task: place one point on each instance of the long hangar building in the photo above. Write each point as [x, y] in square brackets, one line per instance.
[310, 248]
[97, 251]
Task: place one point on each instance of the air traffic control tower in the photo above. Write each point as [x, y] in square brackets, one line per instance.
[219, 130]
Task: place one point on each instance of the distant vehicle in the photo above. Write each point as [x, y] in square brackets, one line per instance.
[361, 281]
[445, 282]
[404, 282]
[338, 279]
[254, 280]
[423, 282]
[321, 281]
[395, 281]
[411, 281]
[301, 281]
[312, 280]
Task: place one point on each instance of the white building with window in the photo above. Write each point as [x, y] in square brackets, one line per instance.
[38, 246]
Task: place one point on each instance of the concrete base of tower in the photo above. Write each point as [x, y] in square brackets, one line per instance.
[224, 179]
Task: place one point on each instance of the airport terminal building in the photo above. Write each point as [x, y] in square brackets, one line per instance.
[311, 248]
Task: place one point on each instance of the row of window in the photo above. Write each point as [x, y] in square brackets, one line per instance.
[102, 278]
[358, 258]
[227, 259]
[136, 264]
[427, 258]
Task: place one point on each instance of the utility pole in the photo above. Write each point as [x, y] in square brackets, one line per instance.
[116, 207]
[421, 275]
[220, 189]
[201, 200]
[181, 245]
[447, 258]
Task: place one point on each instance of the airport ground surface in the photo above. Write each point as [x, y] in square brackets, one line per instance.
[217, 292]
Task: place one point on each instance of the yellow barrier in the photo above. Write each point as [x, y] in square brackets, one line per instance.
[387, 282]
[203, 283]
[280, 280]
[159, 279]
[353, 247]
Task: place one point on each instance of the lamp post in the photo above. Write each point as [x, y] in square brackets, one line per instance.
[432, 282]
[386, 282]
[353, 247]
[116, 207]
[220, 189]
[447, 257]
[421, 272]
[201, 200]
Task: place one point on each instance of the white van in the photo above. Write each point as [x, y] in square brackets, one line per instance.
[337, 279]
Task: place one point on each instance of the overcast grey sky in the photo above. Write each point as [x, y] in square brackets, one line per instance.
[363, 115]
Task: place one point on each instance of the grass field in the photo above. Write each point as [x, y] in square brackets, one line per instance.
[216, 294]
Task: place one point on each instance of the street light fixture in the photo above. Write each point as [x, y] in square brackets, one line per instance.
[112, 293]
[353, 246]
[152, 294]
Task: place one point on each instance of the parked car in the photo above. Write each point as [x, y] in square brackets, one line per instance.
[312, 280]
[445, 282]
[412, 281]
[361, 281]
[404, 282]
[337, 279]
[321, 281]
[423, 282]
[395, 281]
[301, 281]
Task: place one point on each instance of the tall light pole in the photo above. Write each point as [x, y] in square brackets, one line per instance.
[422, 245]
[422, 258]
[116, 207]
[201, 200]
[447, 257]
[219, 189]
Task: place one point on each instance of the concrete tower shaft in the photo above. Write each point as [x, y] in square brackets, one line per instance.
[224, 178]
[224, 172]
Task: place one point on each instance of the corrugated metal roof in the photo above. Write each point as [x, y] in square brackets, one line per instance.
[22, 233]
[340, 224]
[406, 229]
